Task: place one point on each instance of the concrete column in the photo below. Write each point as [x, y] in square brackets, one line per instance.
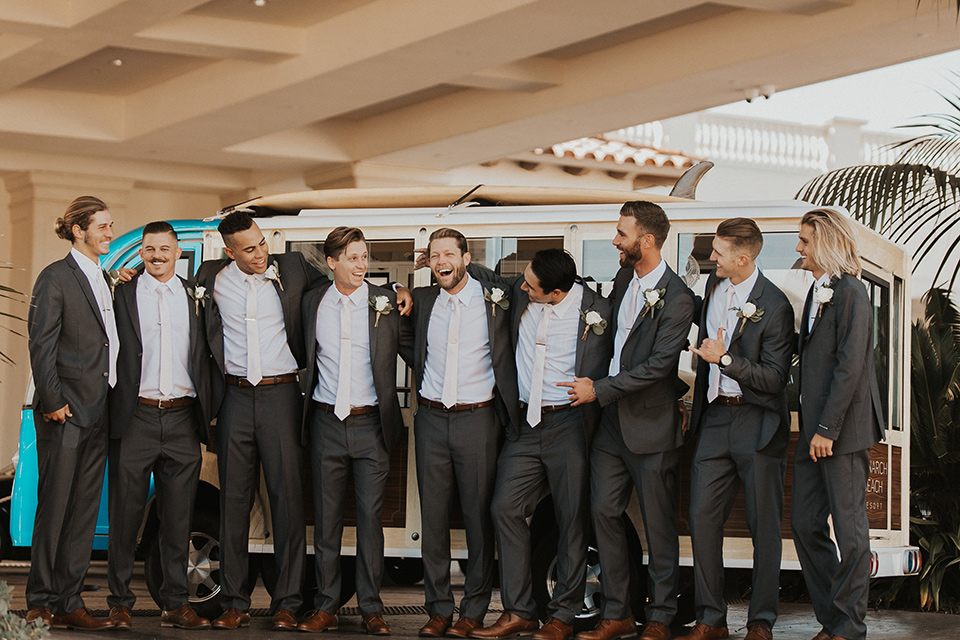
[844, 143]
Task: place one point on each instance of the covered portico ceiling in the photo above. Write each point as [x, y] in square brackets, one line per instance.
[305, 85]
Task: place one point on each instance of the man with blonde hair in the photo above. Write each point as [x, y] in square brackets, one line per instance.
[840, 419]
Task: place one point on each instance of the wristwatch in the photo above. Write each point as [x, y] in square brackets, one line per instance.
[726, 360]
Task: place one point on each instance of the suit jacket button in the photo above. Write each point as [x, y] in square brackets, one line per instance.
[106, 344]
[106, 374]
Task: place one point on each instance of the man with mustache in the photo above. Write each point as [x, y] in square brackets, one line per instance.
[157, 423]
[638, 442]
[73, 355]
[462, 356]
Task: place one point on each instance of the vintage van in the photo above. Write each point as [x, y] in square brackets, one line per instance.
[505, 226]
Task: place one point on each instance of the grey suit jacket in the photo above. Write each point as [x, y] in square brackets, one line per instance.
[413, 350]
[839, 395]
[69, 351]
[296, 275]
[123, 397]
[761, 354]
[384, 346]
[645, 388]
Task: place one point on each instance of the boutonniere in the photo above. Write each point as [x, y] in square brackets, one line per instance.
[113, 279]
[273, 273]
[594, 321]
[199, 297]
[824, 297]
[750, 312]
[497, 297]
[652, 300]
[380, 304]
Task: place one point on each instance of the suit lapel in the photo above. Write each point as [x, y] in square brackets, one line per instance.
[522, 302]
[281, 292]
[756, 296]
[372, 321]
[214, 323]
[133, 310]
[87, 290]
[641, 303]
[585, 304]
[821, 310]
[423, 326]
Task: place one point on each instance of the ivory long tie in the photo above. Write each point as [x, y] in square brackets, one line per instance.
[166, 345]
[713, 391]
[110, 322]
[341, 408]
[634, 299]
[254, 371]
[539, 362]
[449, 394]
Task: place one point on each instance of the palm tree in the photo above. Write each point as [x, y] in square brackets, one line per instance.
[10, 294]
[913, 201]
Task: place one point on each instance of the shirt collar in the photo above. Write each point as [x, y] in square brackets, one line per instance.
[358, 297]
[464, 295]
[743, 290]
[650, 280]
[86, 265]
[561, 308]
[823, 280]
[153, 285]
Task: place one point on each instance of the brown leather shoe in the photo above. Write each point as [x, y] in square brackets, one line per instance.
[553, 629]
[183, 617]
[463, 627]
[758, 631]
[232, 619]
[655, 631]
[608, 629]
[375, 625]
[436, 626]
[43, 613]
[706, 632]
[81, 619]
[284, 620]
[822, 635]
[509, 625]
[835, 637]
[317, 621]
[121, 617]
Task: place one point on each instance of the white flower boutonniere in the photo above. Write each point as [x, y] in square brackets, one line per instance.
[113, 279]
[199, 296]
[824, 297]
[594, 322]
[652, 300]
[380, 304]
[750, 312]
[498, 298]
[273, 273]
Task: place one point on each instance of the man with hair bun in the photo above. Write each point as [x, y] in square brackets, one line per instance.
[742, 425]
[73, 355]
[840, 419]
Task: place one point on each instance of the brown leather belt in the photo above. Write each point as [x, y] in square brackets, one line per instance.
[433, 404]
[730, 401]
[354, 411]
[185, 401]
[550, 408]
[237, 381]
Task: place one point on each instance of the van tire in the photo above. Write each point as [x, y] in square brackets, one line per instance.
[404, 571]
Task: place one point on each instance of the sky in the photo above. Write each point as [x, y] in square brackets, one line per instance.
[885, 98]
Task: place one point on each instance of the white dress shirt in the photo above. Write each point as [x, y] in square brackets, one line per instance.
[475, 370]
[562, 337]
[822, 281]
[362, 391]
[148, 308]
[625, 322]
[230, 294]
[101, 292]
[715, 316]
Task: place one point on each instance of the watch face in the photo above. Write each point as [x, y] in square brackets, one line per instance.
[726, 359]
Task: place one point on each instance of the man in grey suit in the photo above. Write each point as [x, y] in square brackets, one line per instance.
[156, 426]
[353, 420]
[73, 353]
[559, 327]
[254, 330]
[742, 423]
[840, 419]
[638, 442]
[460, 350]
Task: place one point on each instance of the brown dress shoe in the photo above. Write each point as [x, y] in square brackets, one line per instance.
[655, 631]
[608, 629]
[706, 632]
[81, 619]
[317, 621]
[232, 619]
[284, 620]
[758, 631]
[183, 617]
[835, 637]
[375, 625]
[509, 625]
[436, 626]
[822, 635]
[463, 627]
[553, 629]
[43, 613]
[121, 617]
